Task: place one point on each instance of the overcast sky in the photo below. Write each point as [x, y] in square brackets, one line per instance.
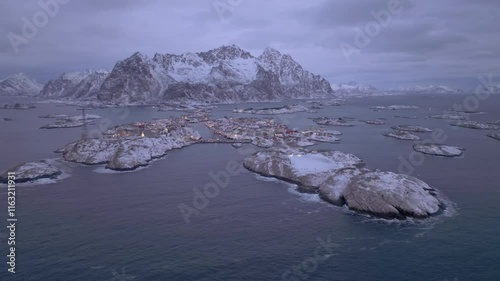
[447, 42]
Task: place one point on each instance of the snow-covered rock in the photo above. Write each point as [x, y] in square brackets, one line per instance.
[375, 122]
[495, 123]
[308, 170]
[19, 85]
[494, 136]
[340, 179]
[412, 128]
[438, 149]
[70, 121]
[326, 121]
[390, 195]
[32, 171]
[448, 117]
[226, 74]
[323, 138]
[287, 109]
[127, 153]
[402, 135]
[475, 125]
[394, 107]
[355, 89]
[82, 86]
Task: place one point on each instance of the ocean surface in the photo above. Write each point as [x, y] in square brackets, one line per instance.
[95, 225]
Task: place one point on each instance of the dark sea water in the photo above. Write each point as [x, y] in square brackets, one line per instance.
[127, 226]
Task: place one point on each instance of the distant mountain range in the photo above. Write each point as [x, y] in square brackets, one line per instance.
[19, 84]
[428, 89]
[226, 74]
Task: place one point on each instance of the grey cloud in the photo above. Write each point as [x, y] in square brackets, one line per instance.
[432, 41]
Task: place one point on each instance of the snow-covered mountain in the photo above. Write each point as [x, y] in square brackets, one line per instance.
[427, 89]
[19, 85]
[75, 85]
[355, 89]
[223, 75]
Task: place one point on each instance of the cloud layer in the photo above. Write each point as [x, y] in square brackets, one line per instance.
[428, 42]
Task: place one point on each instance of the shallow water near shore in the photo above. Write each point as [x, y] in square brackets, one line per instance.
[107, 226]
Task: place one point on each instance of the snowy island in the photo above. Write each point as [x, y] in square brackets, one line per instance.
[339, 179]
[65, 121]
[32, 171]
[438, 150]
[475, 125]
[287, 109]
[402, 135]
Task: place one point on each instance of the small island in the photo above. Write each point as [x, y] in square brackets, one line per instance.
[448, 117]
[19, 106]
[394, 107]
[375, 122]
[412, 128]
[326, 121]
[402, 135]
[438, 150]
[32, 172]
[494, 136]
[65, 121]
[475, 125]
[340, 179]
[287, 109]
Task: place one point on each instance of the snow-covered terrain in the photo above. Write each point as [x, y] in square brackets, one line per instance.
[75, 86]
[326, 121]
[494, 136]
[394, 107]
[340, 180]
[412, 128]
[32, 171]
[448, 117]
[475, 125]
[122, 154]
[65, 121]
[226, 74]
[351, 89]
[287, 109]
[19, 85]
[427, 89]
[438, 149]
[402, 135]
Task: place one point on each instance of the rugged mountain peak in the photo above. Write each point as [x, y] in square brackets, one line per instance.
[19, 84]
[75, 85]
[224, 53]
[223, 75]
[270, 52]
